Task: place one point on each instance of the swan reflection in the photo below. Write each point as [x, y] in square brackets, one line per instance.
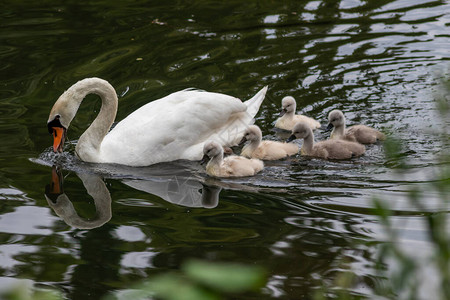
[179, 190]
[176, 189]
[63, 207]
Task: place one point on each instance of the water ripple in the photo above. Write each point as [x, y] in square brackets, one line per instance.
[300, 217]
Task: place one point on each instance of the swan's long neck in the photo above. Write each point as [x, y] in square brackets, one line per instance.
[308, 143]
[89, 144]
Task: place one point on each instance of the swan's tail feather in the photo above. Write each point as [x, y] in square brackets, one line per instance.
[231, 134]
[254, 103]
[234, 132]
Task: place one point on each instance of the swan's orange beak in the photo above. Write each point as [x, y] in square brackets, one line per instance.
[58, 139]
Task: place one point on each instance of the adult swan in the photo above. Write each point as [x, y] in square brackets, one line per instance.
[167, 129]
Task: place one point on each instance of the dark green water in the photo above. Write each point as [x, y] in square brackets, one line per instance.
[304, 220]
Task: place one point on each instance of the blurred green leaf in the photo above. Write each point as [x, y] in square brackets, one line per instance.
[381, 209]
[25, 291]
[396, 154]
[47, 295]
[197, 280]
[230, 278]
[175, 287]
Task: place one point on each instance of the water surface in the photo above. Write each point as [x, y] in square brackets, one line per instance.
[304, 220]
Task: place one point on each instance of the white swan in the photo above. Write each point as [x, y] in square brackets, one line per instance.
[230, 166]
[167, 129]
[265, 150]
[288, 118]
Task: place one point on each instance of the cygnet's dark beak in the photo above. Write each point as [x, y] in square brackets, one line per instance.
[283, 111]
[291, 138]
[329, 127]
[204, 160]
[242, 142]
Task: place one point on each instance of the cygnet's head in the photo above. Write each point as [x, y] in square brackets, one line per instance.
[211, 149]
[288, 105]
[251, 134]
[335, 118]
[301, 130]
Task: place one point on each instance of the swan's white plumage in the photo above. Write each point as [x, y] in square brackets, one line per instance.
[167, 129]
[177, 126]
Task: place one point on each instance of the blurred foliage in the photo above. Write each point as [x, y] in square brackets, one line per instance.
[202, 280]
[197, 280]
[24, 290]
[229, 278]
[400, 273]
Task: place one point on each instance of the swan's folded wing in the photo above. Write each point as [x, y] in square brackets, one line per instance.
[174, 127]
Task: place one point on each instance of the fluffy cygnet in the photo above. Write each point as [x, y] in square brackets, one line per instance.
[358, 133]
[288, 118]
[265, 150]
[330, 149]
[230, 166]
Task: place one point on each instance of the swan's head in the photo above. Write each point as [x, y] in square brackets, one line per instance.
[301, 130]
[211, 149]
[65, 108]
[288, 105]
[59, 120]
[251, 134]
[58, 130]
[336, 119]
[62, 113]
